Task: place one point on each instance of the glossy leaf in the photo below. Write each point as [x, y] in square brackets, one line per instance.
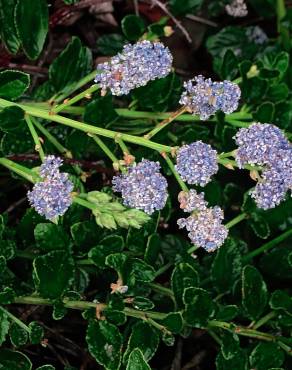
[104, 343]
[137, 361]
[8, 30]
[53, 273]
[33, 31]
[144, 337]
[11, 360]
[254, 292]
[266, 355]
[13, 83]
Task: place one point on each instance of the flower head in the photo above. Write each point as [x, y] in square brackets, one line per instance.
[142, 187]
[205, 97]
[52, 196]
[259, 143]
[196, 163]
[269, 192]
[135, 66]
[204, 224]
[237, 8]
[205, 228]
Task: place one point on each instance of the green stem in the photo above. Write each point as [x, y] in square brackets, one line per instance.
[88, 128]
[264, 320]
[268, 245]
[51, 138]
[236, 220]
[85, 80]
[192, 249]
[106, 150]
[122, 145]
[175, 174]
[161, 289]
[84, 203]
[20, 170]
[36, 139]
[165, 122]
[16, 320]
[75, 99]
[163, 269]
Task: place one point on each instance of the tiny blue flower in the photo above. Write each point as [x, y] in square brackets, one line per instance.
[135, 66]
[52, 196]
[142, 187]
[196, 163]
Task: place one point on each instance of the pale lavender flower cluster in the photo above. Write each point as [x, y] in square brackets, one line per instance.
[135, 66]
[237, 8]
[205, 97]
[142, 187]
[256, 35]
[204, 225]
[265, 145]
[52, 196]
[196, 163]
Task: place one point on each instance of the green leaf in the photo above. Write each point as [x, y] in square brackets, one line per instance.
[227, 313]
[8, 30]
[276, 263]
[254, 292]
[179, 7]
[85, 234]
[266, 355]
[229, 68]
[59, 310]
[100, 111]
[137, 361]
[109, 245]
[140, 271]
[104, 343]
[70, 66]
[173, 322]
[36, 332]
[12, 360]
[144, 337]
[278, 92]
[4, 326]
[18, 335]
[13, 83]
[152, 249]
[226, 267]
[110, 44]
[183, 276]
[238, 361]
[142, 303]
[259, 225]
[7, 296]
[11, 119]
[46, 367]
[265, 112]
[199, 307]
[230, 345]
[133, 27]
[49, 236]
[53, 273]
[281, 300]
[7, 248]
[32, 23]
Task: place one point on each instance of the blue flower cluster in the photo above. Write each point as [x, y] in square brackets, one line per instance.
[265, 145]
[204, 225]
[52, 196]
[196, 163]
[135, 66]
[205, 97]
[142, 187]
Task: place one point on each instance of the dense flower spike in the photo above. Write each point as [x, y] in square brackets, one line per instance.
[142, 187]
[205, 97]
[259, 143]
[237, 8]
[52, 196]
[135, 66]
[265, 145]
[196, 163]
[204, 224]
